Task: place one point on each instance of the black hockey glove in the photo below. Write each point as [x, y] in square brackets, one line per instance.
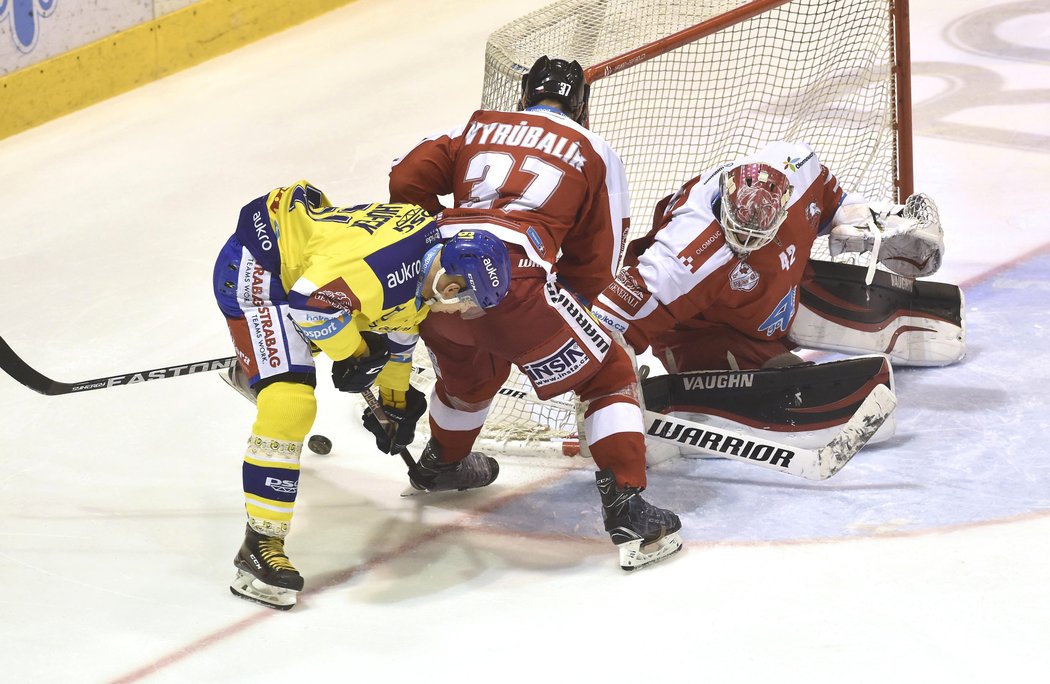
[403, 420]
[358, 374]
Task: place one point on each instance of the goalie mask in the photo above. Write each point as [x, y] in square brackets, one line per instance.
[480, 259]
[754, 205]
[559, 80]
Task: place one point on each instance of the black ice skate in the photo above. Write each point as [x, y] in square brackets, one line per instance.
[429, 475]
[264, 573]
[644, 533]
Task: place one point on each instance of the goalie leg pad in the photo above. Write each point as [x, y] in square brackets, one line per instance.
[804, 405]
[915, 323]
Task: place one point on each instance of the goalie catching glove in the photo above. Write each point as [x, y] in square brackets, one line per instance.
[402, 429]
[907, 239]
[358, 373]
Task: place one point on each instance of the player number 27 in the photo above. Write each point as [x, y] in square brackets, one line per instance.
[489, 172]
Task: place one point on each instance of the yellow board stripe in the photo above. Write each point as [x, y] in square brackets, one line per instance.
[154, 49]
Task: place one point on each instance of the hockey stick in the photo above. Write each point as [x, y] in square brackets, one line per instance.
[18, 369]
[812, 464]
[380, 414]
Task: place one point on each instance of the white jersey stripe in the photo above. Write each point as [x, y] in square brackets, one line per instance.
[613, 419]
[455, 420]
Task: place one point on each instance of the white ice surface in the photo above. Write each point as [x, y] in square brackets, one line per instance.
[120, 510]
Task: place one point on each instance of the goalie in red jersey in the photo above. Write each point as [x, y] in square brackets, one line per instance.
[724, 282]
[716, 283]
[556, 194]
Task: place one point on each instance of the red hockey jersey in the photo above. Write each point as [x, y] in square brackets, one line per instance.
[683, 274]
[535, 178]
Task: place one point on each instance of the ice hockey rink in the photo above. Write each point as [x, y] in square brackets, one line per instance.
[926, 559]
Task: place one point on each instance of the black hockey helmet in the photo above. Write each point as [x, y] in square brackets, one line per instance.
[559, 80]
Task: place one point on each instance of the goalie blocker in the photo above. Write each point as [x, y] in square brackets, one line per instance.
[804, 405]
[915, 323]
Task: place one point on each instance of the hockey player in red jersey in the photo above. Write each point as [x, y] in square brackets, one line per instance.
[722, 281]
[715, 284]
[556, 194]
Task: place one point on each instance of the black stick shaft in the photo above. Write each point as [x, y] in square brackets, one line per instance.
[380, 414]
[21, 371]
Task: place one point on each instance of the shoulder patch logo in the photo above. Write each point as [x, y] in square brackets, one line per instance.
[691, 253]
[796, 163]
[536, 241]
[813, 215]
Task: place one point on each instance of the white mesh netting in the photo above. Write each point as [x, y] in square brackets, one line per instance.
[818, 71]
[519, 422]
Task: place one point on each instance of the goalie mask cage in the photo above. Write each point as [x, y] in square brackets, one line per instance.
[680, 86]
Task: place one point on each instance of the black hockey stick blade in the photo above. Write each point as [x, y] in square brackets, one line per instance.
[18, 369]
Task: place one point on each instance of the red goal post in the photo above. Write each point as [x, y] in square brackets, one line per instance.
[680, 86]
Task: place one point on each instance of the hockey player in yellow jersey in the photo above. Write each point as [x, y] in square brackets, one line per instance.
[300, 276]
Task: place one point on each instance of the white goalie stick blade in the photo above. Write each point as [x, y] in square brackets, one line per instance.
[811, 464]
[246, 586]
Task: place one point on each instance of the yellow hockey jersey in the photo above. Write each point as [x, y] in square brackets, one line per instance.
[345, 270]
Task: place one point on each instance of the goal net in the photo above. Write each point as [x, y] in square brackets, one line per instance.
[519, 422]
[680, 86]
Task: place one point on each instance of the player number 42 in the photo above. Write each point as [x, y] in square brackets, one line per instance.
[787, 257]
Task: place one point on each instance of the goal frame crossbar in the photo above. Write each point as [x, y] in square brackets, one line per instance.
[901, 66]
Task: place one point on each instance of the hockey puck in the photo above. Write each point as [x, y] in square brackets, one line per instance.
[319, 444]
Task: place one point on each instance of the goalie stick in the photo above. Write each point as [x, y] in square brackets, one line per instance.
[811, 464]
[804, 405]
[25, 374]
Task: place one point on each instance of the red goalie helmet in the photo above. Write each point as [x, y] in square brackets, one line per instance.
[754, 204]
